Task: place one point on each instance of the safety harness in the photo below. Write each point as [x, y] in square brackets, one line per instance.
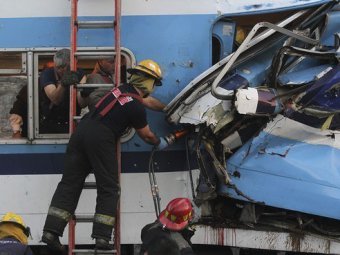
[117, 96]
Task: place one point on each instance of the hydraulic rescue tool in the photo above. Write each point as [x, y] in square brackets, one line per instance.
[170, 139]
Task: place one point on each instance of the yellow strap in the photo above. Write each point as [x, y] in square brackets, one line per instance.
[59, 213]
[327, 123]
[104, 219]
[173, 217]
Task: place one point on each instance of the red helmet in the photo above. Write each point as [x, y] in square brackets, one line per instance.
[177, 214]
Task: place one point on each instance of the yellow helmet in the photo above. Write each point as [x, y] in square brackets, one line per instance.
[17, 220]
[240, 35]
[148, 68]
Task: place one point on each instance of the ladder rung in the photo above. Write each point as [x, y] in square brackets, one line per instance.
[79, 251]
[89, 185]
[77, 117]
[82, 86]
[84, 218]
[93, 55]
[95, 24]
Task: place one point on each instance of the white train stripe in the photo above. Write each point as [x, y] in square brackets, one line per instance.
[30, 196]
[61, 8]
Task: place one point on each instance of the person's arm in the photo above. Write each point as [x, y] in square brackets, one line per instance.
[82, 101]
[55, 93]
[96, 94]
[153, 104]
[147, 135]
[20, 104]
[138, 118]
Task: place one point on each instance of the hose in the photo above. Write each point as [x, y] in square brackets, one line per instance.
[189, 169]
[153, 185]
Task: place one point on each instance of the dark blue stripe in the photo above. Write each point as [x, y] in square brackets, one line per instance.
[53, 163]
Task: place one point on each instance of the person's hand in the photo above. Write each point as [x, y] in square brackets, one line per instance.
[69, 78]
[16, 135]
[15, 119]
[16, 123]
[162, 144]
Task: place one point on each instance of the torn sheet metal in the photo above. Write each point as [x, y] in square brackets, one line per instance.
[276, 128]
[290, 165]
[196, 112]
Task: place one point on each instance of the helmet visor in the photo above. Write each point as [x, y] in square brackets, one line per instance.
[158, 82]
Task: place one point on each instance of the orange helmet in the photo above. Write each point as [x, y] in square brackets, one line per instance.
[177, 214]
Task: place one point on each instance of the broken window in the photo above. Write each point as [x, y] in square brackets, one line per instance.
[13, 99]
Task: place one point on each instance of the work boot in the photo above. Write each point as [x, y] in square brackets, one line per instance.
[102, 244]
[52, 241]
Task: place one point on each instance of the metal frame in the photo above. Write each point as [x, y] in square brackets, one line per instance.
[36, 100]
[30, 97]
[30, 62]
[24, 70]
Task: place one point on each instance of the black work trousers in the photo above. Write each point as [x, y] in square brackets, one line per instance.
[91, 147]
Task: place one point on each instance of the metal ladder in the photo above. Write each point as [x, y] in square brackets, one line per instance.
[75, 26]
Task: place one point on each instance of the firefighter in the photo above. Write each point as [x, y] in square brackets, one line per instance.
[92, 147]
[172, 222]
[13, 235]
[103, 73]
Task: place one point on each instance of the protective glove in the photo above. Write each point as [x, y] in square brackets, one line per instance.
[69, 78]
[162, 144]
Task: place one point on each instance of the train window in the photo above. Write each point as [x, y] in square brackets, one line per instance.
[223, 34]
[43, 62]
[216, 50]
[13, 96]
[12, 63]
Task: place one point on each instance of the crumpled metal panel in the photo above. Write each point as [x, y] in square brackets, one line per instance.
[290, 165]
[324, 94]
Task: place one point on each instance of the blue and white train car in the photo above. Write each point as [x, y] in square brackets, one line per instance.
[185, 37]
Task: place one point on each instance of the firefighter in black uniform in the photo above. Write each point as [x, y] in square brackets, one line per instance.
[172, 223]
[93, 147]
